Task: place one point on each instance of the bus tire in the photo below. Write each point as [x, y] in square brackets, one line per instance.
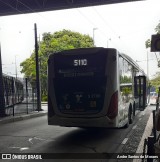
[130, 115]
[134, 109]
[126, 125]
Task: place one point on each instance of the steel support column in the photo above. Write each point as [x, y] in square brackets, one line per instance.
[2, 101]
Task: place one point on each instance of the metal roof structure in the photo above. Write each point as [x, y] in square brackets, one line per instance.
[12, 7]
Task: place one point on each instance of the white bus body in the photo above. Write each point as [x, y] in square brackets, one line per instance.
[93, 87]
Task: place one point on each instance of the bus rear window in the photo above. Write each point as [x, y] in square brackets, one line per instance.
[80, 82]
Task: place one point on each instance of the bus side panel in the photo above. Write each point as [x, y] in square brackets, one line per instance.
[126, 90]
[51, 94]
[111, 97]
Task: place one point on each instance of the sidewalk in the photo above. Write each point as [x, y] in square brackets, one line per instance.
[23, 116]
[147, 132]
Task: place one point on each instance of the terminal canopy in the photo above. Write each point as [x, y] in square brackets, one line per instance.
[11, 7]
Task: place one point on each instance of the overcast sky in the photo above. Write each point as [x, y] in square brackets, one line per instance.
[124, 26]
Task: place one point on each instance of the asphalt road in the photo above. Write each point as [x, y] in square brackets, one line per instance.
[35, 136]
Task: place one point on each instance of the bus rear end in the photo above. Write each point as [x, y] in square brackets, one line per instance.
[77, 86]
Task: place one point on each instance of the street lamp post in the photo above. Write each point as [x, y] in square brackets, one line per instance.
[93, 34]
[147, 66]
[16, 66]
[37, 71]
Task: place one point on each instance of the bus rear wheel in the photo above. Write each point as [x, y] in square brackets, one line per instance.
[126, 125]
[130, 115]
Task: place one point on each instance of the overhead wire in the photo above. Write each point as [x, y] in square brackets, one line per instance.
[114, 32]
[108, 26]
[94, 25]
[106, 23]
[86, 17]
[117, 36]
[145, 60]
[26, 6]
[9, 5]
[33, 11]
[102, 32]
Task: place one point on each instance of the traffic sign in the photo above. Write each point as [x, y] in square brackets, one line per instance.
[155, 43]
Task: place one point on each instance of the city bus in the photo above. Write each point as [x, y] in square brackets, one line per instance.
[94, 87]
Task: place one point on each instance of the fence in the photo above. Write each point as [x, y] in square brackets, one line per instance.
[20, 96]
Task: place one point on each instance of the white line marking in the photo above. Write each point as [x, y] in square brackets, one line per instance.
[39, 139]
[143, 113]
[24, 148]
[124, 141]
[134, 127]
[15, 147]
[30, 140]
[20, 148]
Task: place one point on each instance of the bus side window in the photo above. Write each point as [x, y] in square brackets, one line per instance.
[125, 71]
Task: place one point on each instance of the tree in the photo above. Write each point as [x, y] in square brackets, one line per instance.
[156, 82]
[157, 29]
[56, 42]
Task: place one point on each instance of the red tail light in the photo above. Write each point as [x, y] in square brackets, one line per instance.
[113, 106]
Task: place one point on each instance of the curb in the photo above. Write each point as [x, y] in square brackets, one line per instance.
[11, 119]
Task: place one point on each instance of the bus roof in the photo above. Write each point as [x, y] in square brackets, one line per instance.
[129, 59]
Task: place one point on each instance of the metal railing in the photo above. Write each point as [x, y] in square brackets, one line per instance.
[19, 96]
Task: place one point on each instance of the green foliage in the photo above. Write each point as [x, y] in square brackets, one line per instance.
[126, 91]
[148, 41]
[125, 79]
[156, 82]
[157, 29]
[56, 42]
[44, 98]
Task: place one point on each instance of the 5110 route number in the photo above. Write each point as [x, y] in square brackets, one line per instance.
[80, 62]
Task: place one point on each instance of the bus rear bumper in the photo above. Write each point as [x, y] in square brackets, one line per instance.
[82, 122]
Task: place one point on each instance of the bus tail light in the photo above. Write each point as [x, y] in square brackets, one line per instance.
[113, 106]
